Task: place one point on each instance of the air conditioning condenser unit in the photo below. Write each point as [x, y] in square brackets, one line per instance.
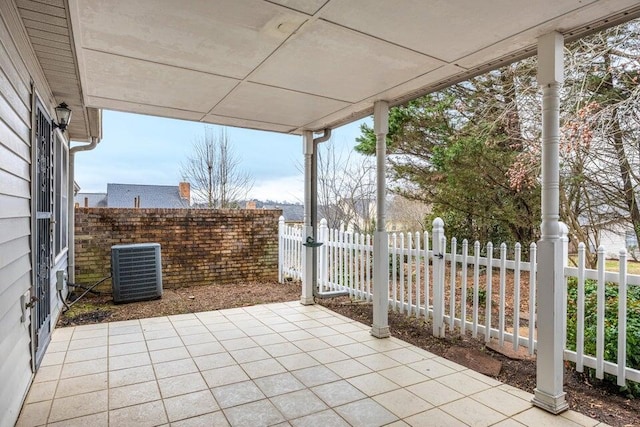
[136, 272]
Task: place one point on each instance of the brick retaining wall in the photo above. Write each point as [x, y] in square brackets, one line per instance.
[199, 246]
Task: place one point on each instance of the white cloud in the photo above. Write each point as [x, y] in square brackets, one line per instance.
[283, 189]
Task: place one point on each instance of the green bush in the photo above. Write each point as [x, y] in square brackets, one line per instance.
[610, 325]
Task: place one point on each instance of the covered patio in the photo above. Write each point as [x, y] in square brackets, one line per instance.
[297, 67]
[276, 364]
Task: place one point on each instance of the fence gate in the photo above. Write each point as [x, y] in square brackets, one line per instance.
[43, 234]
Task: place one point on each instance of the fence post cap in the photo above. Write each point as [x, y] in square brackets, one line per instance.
[323, 222]
[281, 219]
[438, 223]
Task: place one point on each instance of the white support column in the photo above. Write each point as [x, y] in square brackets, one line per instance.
[380, 327]
[549, 394]
[307, 259]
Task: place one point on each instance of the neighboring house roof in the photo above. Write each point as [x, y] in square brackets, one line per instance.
[150, 196]
[91, 200]
[290, 212]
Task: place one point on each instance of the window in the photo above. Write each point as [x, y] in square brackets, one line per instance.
[61, 195]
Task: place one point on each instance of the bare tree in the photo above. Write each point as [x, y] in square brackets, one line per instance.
[346, 189]
[213, 170]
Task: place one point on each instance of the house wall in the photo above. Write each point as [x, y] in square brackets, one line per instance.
[199, 246]
[18, 69]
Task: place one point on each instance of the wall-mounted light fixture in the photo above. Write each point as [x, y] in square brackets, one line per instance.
[63, 114]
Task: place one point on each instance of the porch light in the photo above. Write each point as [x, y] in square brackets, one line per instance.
[63, 114]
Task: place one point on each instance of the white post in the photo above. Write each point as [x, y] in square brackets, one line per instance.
[281, 249]
[307, 259]
[437, 237]
[323, 236]
[380, 327]
[549, 394]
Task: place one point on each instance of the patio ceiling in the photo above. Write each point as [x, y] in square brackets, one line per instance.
[290, 65]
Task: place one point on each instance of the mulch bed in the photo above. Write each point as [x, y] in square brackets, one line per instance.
[599, 401]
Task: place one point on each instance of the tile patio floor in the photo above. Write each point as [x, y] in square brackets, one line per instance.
[277, 364]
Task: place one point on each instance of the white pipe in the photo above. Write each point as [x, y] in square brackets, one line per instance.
[71, 220]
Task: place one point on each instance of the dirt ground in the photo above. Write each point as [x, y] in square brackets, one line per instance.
[595, 400]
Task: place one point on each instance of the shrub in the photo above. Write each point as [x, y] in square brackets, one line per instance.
[610, 325]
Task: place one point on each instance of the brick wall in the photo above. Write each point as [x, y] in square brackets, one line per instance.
[199, 246]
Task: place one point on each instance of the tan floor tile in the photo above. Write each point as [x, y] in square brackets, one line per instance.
[385, 344]
[326, 418]
[126, 338]
[181, 384]
[182, 317]
[463, 383]
[191, 330]
[83, 368]
[348, 368]
[155, 320]
[366, 412]
[138, 374]
[311, 344]
[78, 344]
[323, 332]
[133, 394]
[249, 354]
[81, 334]
[472, 413]
[237, 394]
[361, 336]
[168, 354]
[57, 346]
[161, 333]
[205, 337]
[337, 340]
[238, 343]
[127, 348]
[62, 334]
[48, 373]
[222, 376]
[94, 420]
[174, 368]
[262, 368]
[378, 362]
[41, 391]
[516, 392]
[356, 350]
[78, 405]
[579, 418]
[51, 359]
[434, 418]
[298, 404]
[274, 385]
[537, 417]
[83, 384]
[297, 361]
[260, 413]
[269, 339]
[403, 376]
[129, 361]
[281, 349]
[144, 415]
[308, 324]
[481, 377]
[508, 403]
[315, 375]
[509, 422]
[328, 355]
[372, 384]
[431, 368]
[222, 326]
[345, 328]
[398, 423]
[205, 348]
[284, 327]
[434, 392]
[257, 331]
[296, 335]
[34, 414]
[212, 361]
[214, 419]
[190, 405]
[125, 330]
[86, 354]
[338, 393]
[405, 355]
[402, 403]
[164, 343]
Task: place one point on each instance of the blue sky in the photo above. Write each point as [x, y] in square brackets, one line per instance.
[138, 149]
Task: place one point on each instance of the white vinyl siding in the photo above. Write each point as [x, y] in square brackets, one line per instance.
[15, 208]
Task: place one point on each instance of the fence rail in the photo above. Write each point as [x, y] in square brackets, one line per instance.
[483, 290]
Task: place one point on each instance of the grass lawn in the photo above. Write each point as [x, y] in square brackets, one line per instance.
[633, 267]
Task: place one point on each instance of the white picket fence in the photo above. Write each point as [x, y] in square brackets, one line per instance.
[463, 287]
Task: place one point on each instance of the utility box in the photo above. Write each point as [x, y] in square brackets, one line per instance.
[136, 272]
